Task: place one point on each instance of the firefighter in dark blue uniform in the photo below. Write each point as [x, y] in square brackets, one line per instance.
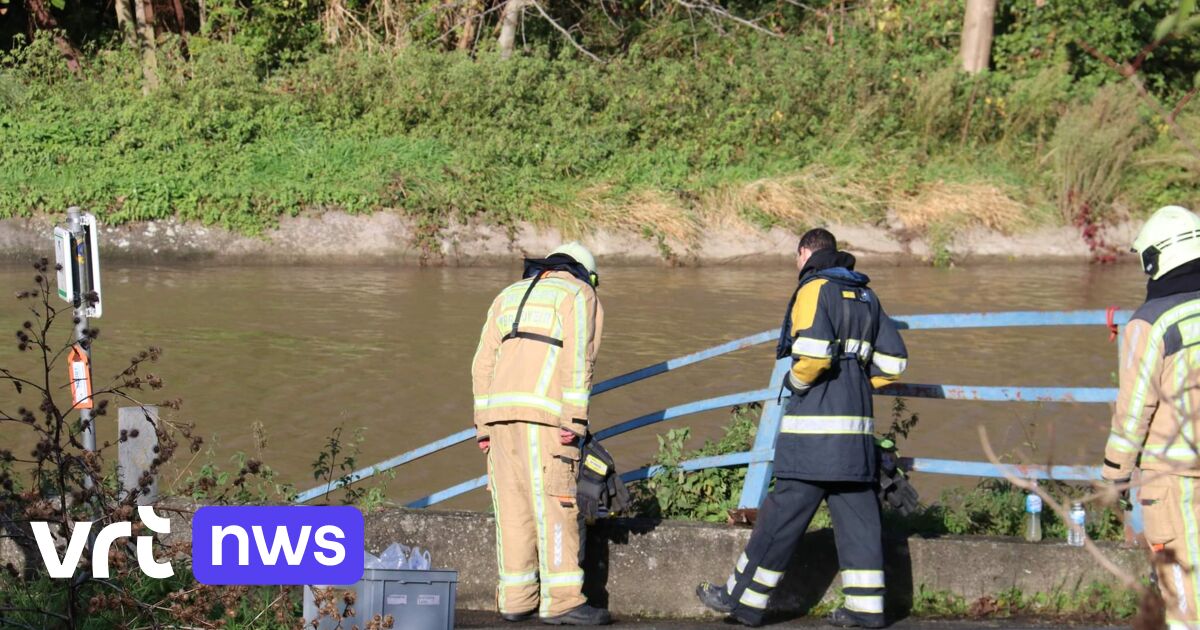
[842, 346]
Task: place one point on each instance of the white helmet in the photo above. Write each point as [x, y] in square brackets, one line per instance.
[577, 251]
[1170, 238]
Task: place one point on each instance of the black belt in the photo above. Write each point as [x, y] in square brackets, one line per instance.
[533, 336]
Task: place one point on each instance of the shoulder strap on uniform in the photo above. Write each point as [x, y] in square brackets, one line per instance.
[515, 333]
[844, 329]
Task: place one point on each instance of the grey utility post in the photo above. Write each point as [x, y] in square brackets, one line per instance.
[137, 451]
[77, 255]
[75, 227]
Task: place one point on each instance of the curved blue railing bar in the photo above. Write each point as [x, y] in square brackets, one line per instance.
[720, 402]
[1002, 394]
[988, 469]
[1009, 319]
[675, 364]
[700, 463]
[759, 475]
[913, 464]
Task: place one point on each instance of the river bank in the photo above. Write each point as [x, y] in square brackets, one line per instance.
[388, 237]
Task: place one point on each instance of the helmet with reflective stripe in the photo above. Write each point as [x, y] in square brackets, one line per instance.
[1170, 238]
[577, 251]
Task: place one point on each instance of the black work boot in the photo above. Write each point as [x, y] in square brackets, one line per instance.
[714, 597]
[843, 618]
[582, 615]
[525, 616]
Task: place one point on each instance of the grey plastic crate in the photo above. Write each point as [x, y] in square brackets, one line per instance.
[416, 600]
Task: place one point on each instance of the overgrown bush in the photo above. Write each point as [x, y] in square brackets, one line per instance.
[704, 495]
[685, 125]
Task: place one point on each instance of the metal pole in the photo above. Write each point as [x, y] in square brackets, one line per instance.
[758, 475]
[75, 227]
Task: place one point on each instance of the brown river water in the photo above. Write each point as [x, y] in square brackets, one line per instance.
[302, 350]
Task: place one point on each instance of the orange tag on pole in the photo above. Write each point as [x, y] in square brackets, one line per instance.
[81, 378]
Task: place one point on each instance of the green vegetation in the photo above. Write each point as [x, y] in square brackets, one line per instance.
[704, 495]
[690, 120]
[993, 507]
[1092, 603]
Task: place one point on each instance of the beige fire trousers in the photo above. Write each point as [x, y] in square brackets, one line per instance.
[531, 476]
[1171, 511]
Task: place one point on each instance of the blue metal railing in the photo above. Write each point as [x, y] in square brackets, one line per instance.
[759, 459]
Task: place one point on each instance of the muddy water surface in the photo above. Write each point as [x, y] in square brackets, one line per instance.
[302, 350]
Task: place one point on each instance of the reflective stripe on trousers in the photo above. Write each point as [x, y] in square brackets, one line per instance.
[537, 532]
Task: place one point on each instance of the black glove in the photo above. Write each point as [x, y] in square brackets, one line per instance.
[588, 491]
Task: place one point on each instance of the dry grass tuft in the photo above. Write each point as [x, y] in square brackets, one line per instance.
[813, 195]
[1092, 145]
[956, 205]
[648, 212]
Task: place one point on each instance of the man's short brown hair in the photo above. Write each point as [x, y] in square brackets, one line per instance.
[817, 239]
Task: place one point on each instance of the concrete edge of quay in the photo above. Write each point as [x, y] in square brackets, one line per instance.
[388, 237]
[650, 568]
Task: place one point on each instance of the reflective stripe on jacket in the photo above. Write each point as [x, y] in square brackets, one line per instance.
[843, 345]
[529, 379]
[1158, 406]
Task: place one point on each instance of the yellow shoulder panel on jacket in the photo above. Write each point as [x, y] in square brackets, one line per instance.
[805, 309]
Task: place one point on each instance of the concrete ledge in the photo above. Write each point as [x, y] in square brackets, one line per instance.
[650, 568]
[390, 237]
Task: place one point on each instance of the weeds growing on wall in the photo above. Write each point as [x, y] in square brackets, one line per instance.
[993, 507]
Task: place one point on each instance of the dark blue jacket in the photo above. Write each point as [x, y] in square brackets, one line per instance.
[842, 346]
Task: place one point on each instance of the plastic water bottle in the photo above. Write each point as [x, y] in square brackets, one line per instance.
[1075, 534]
[1033, 517]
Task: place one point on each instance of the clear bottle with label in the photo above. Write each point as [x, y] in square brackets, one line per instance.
[1033, 517]
[1075, 534]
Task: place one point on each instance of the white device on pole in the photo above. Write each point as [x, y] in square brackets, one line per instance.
[66, 266]
[78, 258]
[92, 261]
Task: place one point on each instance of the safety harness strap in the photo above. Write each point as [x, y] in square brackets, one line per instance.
[534, 336]
[517, 334]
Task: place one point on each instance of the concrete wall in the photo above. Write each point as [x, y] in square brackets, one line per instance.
[645, 567]
[390, 237]
[651, 568]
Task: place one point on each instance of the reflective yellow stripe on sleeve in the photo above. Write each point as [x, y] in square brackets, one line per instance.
[809, 347]
[889, 364]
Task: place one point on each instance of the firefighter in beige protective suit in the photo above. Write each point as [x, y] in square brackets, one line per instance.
[532, 378]
[1157, 415]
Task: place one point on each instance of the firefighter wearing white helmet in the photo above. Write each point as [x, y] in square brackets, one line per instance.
[1157, 415]
[532, 379]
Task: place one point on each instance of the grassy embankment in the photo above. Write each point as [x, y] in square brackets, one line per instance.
[667, 139]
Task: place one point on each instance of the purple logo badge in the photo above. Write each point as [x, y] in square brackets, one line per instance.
[277, 545]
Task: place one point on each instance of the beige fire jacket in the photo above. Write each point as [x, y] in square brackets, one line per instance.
[1157, 414]
[546, 379]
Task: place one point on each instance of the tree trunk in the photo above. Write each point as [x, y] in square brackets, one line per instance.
[977, 35]
[125, 21]
[180, 19]
[509, 23]
[466, 39]
[45, 20]
[146, 43]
